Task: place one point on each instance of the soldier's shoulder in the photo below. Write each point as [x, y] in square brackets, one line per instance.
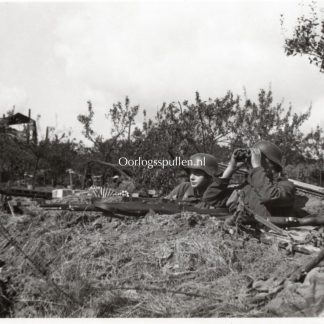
[284, 181]
[183, 185]
[179, 190]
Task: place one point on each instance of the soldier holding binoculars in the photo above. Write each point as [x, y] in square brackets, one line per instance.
[266, 191]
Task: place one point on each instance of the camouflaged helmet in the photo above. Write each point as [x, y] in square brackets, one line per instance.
[204, 162]
[271, 151]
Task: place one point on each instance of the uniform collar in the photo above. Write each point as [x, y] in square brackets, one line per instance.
[191, 193]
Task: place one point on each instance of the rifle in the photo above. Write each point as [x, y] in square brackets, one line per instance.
[140, 207]
[263, 290]
[70, 207]
[301, 272]
[287, 222]
[137, 208]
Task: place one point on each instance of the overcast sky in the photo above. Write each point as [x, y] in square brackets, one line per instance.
[56, 56]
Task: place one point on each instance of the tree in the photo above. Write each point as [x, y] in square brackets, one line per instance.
[62, 154]
[308, 38]
[314, 150]
[13, 159]
[202, 126]
[265, 120]
[86, 121]
[122, 118]
[215, 126]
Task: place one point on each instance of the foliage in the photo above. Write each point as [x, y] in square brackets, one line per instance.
[13, 158]
[214, 126]
[314, 144]
[201, 126]
[265, 120]
[308, 38]
[45, 162]
[61, 156]
[122, 118]
[86, 121]
[312, 171]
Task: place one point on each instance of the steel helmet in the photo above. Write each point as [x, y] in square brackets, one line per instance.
[204, 162]
[271, 151]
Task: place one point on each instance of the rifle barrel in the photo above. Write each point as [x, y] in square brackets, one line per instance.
[138, 208]
[71, 207]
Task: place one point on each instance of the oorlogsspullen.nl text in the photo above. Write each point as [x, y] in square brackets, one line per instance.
[163, 163]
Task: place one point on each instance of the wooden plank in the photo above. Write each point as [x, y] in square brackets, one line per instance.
[308, 187]
[20, 192]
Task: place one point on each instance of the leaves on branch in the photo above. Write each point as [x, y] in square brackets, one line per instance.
[308, 37]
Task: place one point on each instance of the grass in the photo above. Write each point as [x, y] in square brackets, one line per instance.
[181, 265]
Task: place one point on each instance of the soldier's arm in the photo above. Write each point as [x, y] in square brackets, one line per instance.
[178, 192]
[280, 193]
[232, 166]
[217, 193]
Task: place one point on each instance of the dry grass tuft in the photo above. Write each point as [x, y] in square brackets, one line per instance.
[180, 265]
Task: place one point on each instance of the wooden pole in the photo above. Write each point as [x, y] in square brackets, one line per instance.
[28, 127]
[71, 180]
[321, 168]
[46, 136]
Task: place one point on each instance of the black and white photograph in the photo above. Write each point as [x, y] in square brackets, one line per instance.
[162, 160]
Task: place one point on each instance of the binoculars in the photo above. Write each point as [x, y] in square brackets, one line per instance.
[242, 155]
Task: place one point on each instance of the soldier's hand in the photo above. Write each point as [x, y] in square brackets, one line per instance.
[232, 166]
[255, 157]
[233, 162]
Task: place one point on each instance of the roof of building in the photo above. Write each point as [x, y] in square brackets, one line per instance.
[16, 119]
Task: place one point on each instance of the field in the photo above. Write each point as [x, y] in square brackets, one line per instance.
[79, 264]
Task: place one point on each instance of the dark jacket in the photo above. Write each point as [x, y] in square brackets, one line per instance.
[268, 197]
[215, 195]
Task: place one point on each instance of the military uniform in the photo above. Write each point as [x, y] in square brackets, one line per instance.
[265, 193]
[265, 196]
[186, 193]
